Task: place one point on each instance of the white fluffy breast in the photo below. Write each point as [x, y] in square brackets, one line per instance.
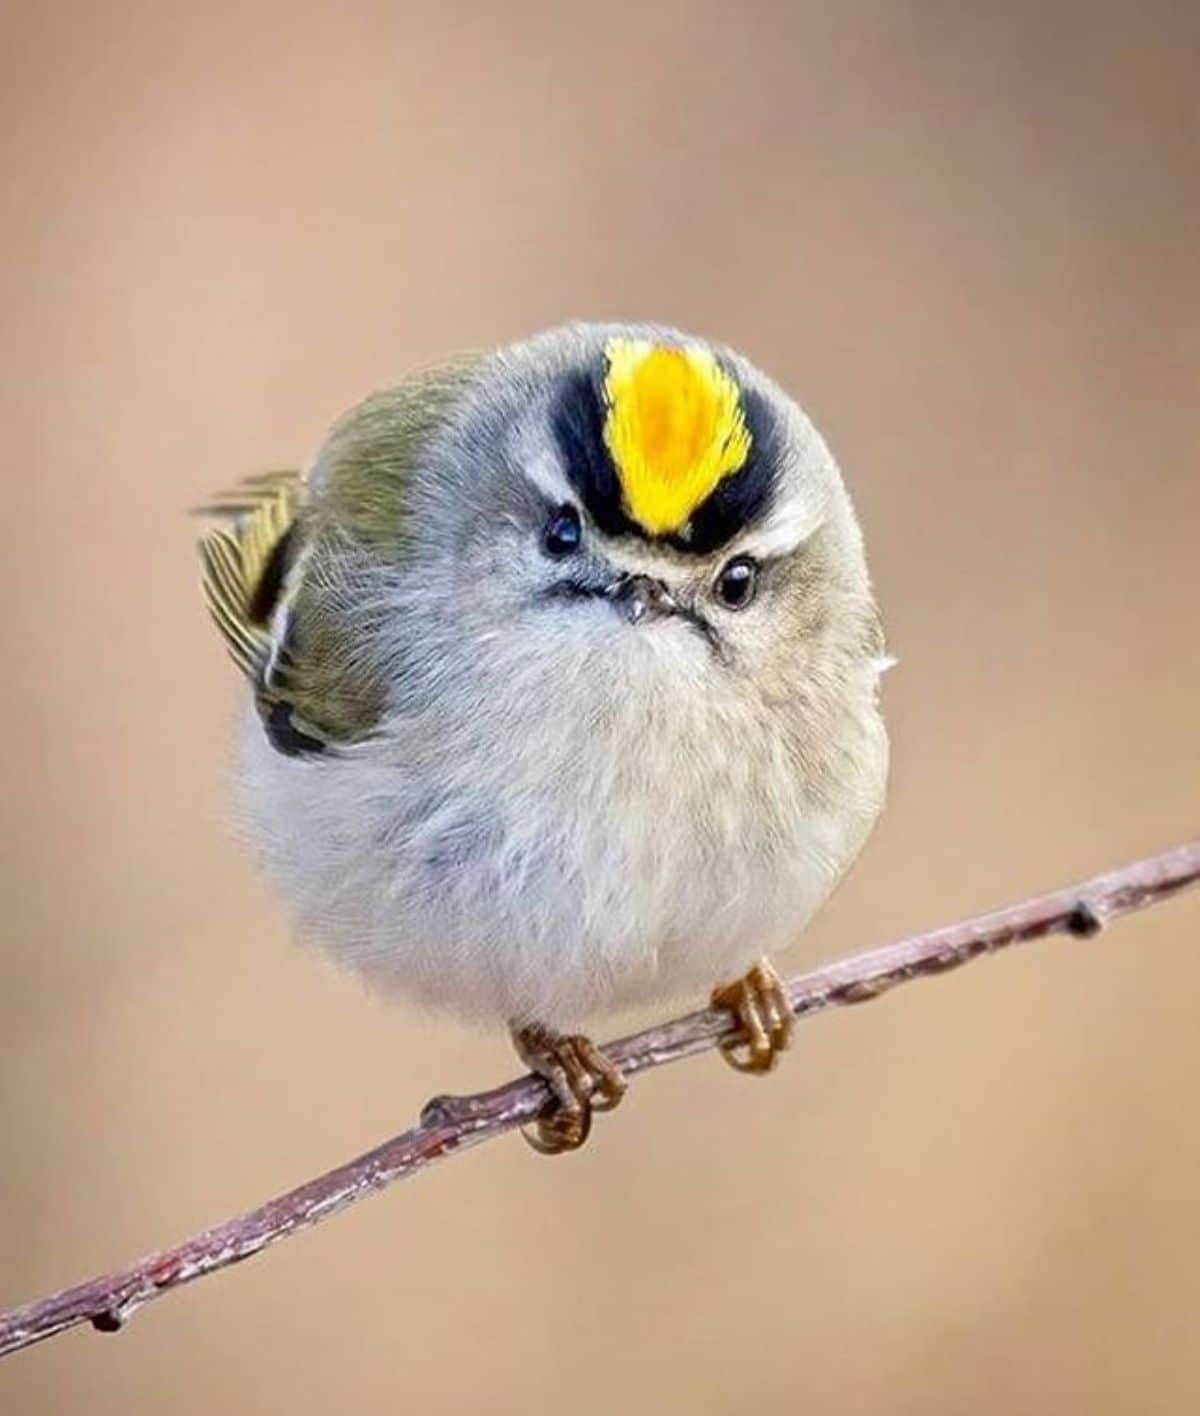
[520, 844]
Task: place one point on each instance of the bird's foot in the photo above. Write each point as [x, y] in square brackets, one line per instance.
[581, 1078]
[765, 1020]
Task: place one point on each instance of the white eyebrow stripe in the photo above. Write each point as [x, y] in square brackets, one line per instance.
[547, 476]
[785, 528]
[542, 468]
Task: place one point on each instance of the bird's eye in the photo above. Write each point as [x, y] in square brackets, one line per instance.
[562, 533]
[737, 583]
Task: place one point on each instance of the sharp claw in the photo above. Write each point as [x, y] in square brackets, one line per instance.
[608, 1097]
[558, 1131]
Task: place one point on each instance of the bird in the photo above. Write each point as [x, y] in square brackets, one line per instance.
[563, 669]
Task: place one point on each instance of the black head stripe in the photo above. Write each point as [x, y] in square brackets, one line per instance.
[578, 422]
[577, 419]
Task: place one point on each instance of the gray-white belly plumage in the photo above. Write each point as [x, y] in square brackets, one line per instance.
[536, 875]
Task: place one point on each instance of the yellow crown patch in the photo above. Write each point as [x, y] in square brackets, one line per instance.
[674, 427]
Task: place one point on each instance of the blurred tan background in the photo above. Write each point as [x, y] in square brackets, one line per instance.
[968, 243]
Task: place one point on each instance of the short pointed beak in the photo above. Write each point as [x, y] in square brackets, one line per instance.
[641, 597]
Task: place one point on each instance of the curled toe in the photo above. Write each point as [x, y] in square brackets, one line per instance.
[581, 1080]
[764, 1016]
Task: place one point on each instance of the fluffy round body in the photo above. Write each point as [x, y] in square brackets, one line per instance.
[529, 805]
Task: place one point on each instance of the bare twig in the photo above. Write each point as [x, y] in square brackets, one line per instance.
[450, 1124]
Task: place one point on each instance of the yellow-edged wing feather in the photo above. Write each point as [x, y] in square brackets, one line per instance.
[252, 518]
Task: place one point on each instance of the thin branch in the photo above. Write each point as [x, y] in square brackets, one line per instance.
[451, 1124]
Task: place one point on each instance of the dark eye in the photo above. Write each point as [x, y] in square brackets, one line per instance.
[562, 533]
[737, 583]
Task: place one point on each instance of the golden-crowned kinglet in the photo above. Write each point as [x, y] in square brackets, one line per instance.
[564, 665]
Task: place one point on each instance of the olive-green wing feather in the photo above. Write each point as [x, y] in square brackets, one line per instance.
[303, 638]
